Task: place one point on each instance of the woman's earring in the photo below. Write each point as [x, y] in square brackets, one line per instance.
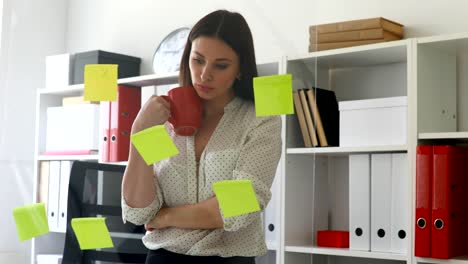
[238, 77]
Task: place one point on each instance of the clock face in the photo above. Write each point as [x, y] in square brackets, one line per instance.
[167, 56]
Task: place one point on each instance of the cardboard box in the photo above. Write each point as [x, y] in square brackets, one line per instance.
[128, 66]
[373, 122]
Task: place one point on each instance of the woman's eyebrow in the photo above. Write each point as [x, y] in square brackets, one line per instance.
[218, 59]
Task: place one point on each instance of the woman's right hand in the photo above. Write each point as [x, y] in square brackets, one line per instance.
[156, 111]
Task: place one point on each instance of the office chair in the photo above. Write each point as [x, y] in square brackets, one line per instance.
[95, 191]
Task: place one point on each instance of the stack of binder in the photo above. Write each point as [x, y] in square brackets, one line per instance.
[318, 116]
[378, 207]
[441, 220]
[116, 123]
[353, 33]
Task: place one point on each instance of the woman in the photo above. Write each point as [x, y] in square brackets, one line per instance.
[175, 198]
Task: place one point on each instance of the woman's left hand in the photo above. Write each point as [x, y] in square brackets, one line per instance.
[159, 221]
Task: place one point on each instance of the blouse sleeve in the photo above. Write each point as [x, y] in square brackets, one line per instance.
[141, 216]
[258, 161]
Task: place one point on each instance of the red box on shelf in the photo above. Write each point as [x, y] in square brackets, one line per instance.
[333, 238]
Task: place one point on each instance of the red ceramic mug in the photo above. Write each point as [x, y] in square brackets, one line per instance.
[186, 110]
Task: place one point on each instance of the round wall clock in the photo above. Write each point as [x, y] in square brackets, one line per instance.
[168, 54]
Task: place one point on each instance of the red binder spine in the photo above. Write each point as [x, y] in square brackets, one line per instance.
[424, 166]
[449, 206]
[105, 124]
[123, 113]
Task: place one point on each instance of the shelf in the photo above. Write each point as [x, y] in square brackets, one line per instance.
[138, 81]
[357, 56]
[463, 136]
[457, 260]
[343, 151]
[453, 43]
[68, 157]
[151, 79]
[123, 163]
[126, 235]
[69, 90]
[344, 252]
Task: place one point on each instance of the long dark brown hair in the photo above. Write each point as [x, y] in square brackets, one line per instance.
[231, 28]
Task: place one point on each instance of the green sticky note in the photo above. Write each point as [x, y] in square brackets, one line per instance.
[236, 197]
[92, 232]
[31, 221]
[100, 82]
[273, 95]
[154, 144]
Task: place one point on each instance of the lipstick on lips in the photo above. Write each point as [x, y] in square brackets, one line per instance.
[204, 88]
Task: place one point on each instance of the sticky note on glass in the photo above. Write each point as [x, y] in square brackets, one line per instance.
[154, 144]
[92, 232]
[31, 221]
[100, 82]
[236, 197]
[273, 95]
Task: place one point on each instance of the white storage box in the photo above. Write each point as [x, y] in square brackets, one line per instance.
[72, 129]
[373, 122]
[49, 259]
[59, 71]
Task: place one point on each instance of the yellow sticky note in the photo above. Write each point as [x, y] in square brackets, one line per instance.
[154, 144]
[31, 221]
[236, 197]
[273, 95]
[92, 232]
[100, 82]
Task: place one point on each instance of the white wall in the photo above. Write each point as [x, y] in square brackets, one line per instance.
[279, 27]
[31, 30]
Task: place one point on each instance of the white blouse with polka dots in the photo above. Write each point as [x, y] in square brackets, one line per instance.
[242, 146]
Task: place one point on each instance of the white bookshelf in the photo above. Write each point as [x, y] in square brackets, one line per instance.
[316, 184]
[442, 92]
[313, 182]
[52, 243]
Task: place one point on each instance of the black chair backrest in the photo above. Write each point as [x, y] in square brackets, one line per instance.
[95, 191]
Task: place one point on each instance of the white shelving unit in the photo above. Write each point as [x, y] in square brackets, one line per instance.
[442, 92]
[315, 191]
[312, 184]
[53, 242]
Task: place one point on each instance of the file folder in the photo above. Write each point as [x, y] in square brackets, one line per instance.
[359, 202]
[381, 201]
[271, 213]
[53, 200]
[122, 114]
[104, 128]
[400, 206]
[65, 169]
[423, 218]
[449, 203]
